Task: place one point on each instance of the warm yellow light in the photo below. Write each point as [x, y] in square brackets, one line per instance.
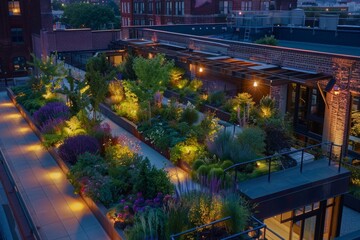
[177, 175]
[24, 130]
[12, 116]
[34, 147]
[255, 83]
[336, 90]
[77, 206]
[8, 104]
[56, 175]
[201, 69]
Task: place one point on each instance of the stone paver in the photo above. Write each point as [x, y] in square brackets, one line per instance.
[55, 210]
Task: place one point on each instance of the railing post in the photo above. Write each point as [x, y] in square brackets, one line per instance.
[341, 156]
[235, 180]
[269, 170]
[302, 160]
[264, 234]
[331, 150]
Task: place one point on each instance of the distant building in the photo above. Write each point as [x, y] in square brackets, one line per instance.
[149, 12]
[19, 20]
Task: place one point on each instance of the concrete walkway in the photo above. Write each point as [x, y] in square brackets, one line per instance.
[55, 209]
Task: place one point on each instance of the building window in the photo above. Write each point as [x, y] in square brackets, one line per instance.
[168, 8]
[136, 7]
[14, 8]
[17, 35]
[354, 134]
[225, 7]
[246, 5]
[19, 63]
[158, 7]
[179, 8]
[150, 7]
[142, 7]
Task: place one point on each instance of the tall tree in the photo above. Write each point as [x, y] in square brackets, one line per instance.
[98, 73]
[82, 15]
[153, 76]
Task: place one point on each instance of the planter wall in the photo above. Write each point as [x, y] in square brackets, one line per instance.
[97, 209]
[352, 202]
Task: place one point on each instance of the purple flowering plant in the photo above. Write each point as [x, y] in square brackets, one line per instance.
[74, 146]
[52, 110]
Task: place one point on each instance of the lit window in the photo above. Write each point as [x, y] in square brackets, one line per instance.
[14, 8]
[19, 63]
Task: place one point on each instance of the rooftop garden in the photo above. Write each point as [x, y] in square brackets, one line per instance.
[140, 198]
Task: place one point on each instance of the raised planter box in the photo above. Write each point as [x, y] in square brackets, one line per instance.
[351, 202]
[97, 209]
[222, 115]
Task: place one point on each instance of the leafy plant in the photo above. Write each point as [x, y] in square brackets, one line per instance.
[74, 127]
[187, 151]
[116, 91]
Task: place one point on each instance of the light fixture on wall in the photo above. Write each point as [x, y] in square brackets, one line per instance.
[255, 84]
[336, 89]
[201, 69]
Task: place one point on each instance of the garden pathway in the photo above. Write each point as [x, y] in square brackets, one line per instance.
[56, 211]
[178, 176]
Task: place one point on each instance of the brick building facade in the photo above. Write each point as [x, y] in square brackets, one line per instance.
[19, 20]
[160, 12]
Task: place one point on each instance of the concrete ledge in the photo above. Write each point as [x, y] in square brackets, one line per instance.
[97, 209]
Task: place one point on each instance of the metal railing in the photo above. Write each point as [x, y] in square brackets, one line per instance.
[197, 230]
[21, 201]
[256, 230]
[269, 160]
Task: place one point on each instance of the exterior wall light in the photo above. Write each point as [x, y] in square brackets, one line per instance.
[336, 90]
[255, 84]
[201, 69]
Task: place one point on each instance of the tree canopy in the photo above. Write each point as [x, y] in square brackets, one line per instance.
[153, 76]
[82, 15]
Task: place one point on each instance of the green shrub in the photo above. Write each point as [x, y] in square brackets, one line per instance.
[189, 115]
[254, 137]
[187, 151]
[198, 163]
[226, 164]
[217, 99]
[149, 180]
[267, 40]
[195, 85]
[216, 173]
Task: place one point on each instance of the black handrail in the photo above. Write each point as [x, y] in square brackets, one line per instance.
[174, 236]
[19, 197]
[235, 166]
